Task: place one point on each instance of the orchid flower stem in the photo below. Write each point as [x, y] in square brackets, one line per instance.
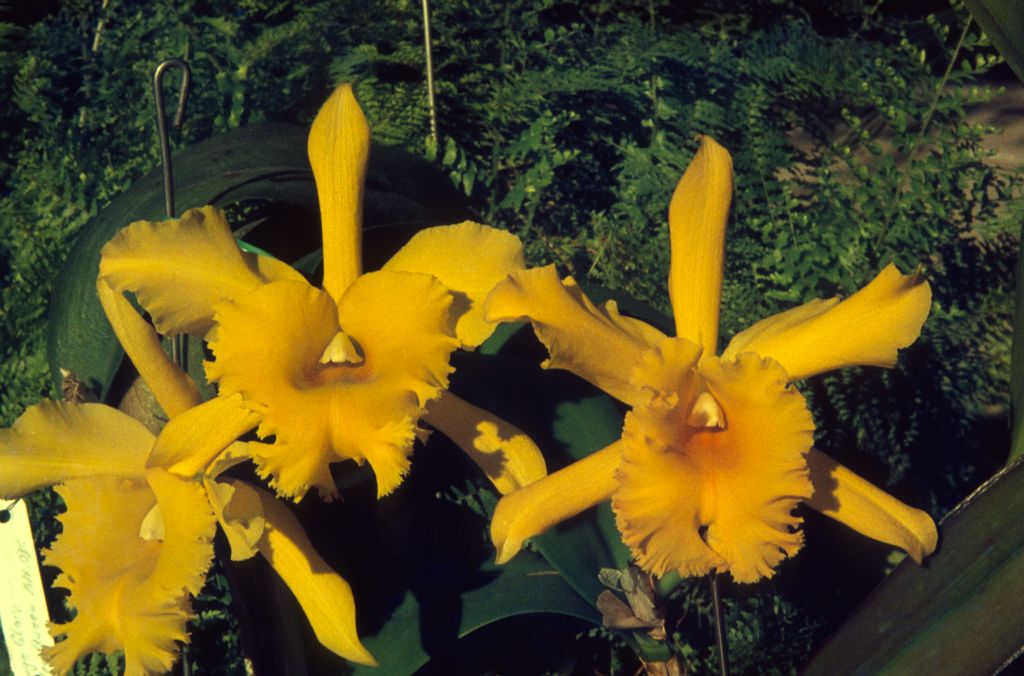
[716, 605]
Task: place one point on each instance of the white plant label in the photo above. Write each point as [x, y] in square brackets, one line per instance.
[23, 615]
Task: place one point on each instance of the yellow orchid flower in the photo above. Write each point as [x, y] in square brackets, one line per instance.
[141, 513]
[716, 451]
[345, 372]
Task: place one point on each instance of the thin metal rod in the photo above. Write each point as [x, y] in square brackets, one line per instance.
[716, 604]
[430, 72]
[178, 345]
[161, 122]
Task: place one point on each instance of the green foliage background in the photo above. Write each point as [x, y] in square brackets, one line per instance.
[568, 123]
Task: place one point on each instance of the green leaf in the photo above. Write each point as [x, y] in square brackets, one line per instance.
[569, 419]
[525, 585]
[581, 547]
[501, 335]
[1003, 23]
[1017, 363]
[960, 612]
[309, 263]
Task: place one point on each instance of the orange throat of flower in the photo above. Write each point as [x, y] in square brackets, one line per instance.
[713, 464]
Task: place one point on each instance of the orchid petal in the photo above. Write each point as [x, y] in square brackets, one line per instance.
[325, 596]
[506, 455]
[102, 559]
[532, 510]
[866, 329]
[235, 454]
[321, 413]
[173, 388]
[849, 499]
[596, 343]
[695, 498]
[271, 269]
[130, 594]
[403, 323]
[697, 217]
[189, 526]
[180, 268]
[191, 440]
[239, 511]
[468, 258]
[777, 324]
[283, 327]
[56, 441]
[339, 146]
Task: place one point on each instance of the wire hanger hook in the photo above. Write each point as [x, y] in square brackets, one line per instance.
[161, 121]
[178, 344]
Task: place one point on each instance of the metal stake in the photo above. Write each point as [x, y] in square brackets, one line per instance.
[161, 122]
[178, 345]
[430, 72]
[716, 604]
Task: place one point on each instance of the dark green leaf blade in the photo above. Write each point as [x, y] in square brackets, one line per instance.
[579, 549]
[527, 584]
[1003, 22]
[1017, 363]
[960, 613]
